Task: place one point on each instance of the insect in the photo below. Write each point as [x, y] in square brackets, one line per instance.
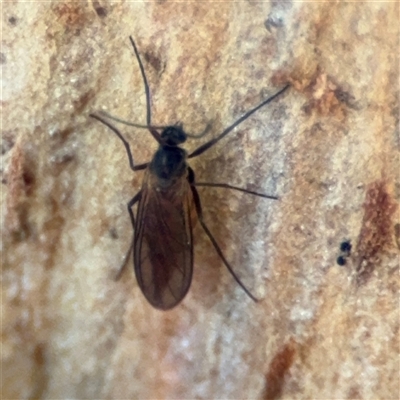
[163, 240]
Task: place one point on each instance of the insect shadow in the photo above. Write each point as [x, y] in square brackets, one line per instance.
[163, 237]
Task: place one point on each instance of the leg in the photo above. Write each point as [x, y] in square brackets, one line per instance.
[211, 142]
[126, 144]
[226, 186]
[199, 211]
[130, 204]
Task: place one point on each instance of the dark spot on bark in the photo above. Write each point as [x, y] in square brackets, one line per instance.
[376, 230]
[12, 20]
[101, 11]
[29, 181]
[63, 134]
[155, 61]
[40, 373]
[113, 233]
[63, 158]
[81, 103]
[277, 370]
[346, 98]
[273, 22]
[72, 15]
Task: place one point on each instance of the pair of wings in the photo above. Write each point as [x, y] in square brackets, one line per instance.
[163, 241]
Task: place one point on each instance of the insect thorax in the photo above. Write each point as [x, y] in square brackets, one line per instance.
[169, 164]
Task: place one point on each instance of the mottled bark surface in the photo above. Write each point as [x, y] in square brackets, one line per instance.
[329, 148]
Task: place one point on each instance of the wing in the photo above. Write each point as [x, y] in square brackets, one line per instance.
[163, 243]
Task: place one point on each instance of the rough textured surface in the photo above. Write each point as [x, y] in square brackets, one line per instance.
[329, 148]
